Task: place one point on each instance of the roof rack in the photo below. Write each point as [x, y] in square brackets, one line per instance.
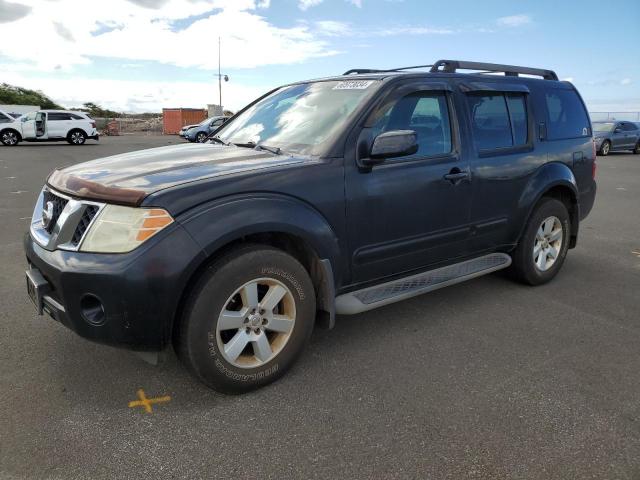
[451, 66]
[373, 70]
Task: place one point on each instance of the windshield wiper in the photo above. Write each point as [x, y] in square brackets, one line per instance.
[274, 150]
[260, 146]
[219, 140]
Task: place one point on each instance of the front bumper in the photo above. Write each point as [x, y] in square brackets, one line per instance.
[139, 292]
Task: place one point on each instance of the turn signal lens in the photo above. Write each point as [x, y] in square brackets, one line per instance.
[119, 229]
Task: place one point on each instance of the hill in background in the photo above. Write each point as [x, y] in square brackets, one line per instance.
[12, 95]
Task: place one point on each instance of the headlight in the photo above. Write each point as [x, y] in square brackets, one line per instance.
[119, 229]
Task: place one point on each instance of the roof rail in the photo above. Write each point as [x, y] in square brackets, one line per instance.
[451, 66]
[390, 70]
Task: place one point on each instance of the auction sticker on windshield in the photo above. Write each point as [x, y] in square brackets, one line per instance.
[353, 85]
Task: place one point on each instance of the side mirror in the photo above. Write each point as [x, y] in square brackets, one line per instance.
[396, 143]
[617, 130]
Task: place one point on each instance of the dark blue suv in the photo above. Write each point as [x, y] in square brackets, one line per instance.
[336, 195]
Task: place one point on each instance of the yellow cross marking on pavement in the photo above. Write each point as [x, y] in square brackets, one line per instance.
[147, 402]
[636, 252]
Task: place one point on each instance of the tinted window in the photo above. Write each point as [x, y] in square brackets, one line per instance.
[58, 116]
[567, 117]
[629, 127]
[490, 121]
[518, 115]
[4, 118]
[76, 117]
[425, 113]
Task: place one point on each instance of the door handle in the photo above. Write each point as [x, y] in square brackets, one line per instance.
[456, 175]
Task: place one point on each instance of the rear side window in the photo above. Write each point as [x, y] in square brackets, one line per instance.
[76, 117]
[629, 127]
[498, 120]
[58, 116]
[566, 115]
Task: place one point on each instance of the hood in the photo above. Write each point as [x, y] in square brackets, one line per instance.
[128, 178]
[187, 127]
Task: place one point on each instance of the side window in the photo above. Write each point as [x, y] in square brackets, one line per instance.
[566, 115]
[4, 118]
[73, 116]
[57, 116]
[498, 120]
[216, 123]
[427, 114]
[629, 127]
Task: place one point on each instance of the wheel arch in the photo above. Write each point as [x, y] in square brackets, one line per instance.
[71, 130]
[2, 130]
[312, 242]
[555, 180]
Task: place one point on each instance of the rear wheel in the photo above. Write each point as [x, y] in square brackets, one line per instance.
[247, 319]
[605, 148]
[10, 138]
[636, 149]
[544, 244]
[76, 137]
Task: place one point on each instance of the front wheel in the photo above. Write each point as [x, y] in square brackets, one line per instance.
[10, 138]
[76, 137]
[201, 137]
[247, 319]
[544, 244]
[605, 148]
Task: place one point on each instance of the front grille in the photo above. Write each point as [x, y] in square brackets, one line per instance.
[88, 214]
[58, 205]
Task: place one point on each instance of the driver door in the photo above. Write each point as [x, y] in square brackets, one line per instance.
[413, 211]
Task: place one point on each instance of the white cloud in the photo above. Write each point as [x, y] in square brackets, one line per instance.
[357, 3]
[332, 28]
[305, 4]
[514, 21]
[625, 81]
[567, 79]
[138, 96]
[147, 30]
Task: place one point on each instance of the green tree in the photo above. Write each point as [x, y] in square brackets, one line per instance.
[12, 95]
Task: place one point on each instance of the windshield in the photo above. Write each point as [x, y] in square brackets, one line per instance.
[603, 127]
[298, 117]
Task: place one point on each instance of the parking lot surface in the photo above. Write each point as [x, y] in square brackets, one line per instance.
[486, 379]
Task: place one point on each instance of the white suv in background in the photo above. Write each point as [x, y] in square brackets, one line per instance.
[49, 126]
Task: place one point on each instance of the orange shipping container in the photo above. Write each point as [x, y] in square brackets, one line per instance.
[173, 119]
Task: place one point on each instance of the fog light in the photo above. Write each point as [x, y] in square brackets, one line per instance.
[92, 309]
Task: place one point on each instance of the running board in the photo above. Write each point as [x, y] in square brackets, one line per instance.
[407, 287]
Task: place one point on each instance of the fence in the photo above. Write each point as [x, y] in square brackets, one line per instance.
[131, 125]
[628, 116]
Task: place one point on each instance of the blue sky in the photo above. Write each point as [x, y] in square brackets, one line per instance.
[139, 55]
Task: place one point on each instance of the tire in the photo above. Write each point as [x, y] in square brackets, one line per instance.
[535, 268]
[76, 137]
[636, 149]
[227, 352]
[10, 138]
[605, 148]
[201, 137]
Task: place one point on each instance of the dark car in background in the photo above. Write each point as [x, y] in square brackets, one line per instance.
[322, 197]
[200, 132]
[616, 136]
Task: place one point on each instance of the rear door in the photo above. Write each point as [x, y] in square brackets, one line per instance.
[58, 124]
[405, 214]
[501, 129]
[631, 133]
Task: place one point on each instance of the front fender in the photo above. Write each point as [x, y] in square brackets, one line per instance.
[548, 176]
[218, 223]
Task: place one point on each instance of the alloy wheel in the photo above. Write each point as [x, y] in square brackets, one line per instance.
[548, 243]
[9, 138]
[256, 323]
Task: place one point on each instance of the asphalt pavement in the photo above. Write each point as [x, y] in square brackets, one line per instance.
[486, 379]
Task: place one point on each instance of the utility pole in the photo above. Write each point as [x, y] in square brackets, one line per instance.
[220, 75]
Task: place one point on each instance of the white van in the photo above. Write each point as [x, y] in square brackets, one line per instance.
[48, 126]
